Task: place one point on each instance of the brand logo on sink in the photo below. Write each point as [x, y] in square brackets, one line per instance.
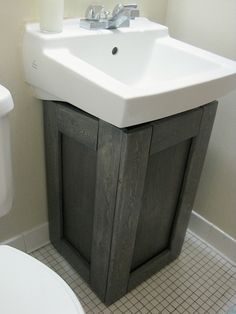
[35, 65]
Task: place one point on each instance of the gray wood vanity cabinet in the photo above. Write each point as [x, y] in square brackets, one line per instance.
[120, 199]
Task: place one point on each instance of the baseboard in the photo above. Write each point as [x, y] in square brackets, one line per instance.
[31, 240]
[213, 236]
[36, 238]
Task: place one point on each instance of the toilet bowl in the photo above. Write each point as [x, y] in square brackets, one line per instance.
[29, 287]
[26, 285]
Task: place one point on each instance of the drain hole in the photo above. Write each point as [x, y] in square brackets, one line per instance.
[114, 51]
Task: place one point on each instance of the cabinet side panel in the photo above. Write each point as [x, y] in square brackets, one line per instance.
[194, 164]
[192, 176]
[78, 188]
[70, 135]
[162, 187]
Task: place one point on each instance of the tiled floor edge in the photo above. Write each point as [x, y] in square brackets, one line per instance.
[198, 225]
[213, 236]
[30, 240]
[199, 281]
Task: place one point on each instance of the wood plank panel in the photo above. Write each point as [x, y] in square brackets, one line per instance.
[175, 129]
[159, 203]
[108, 162]
[133, 165]
[53, 169]
[78, 125]
[78, 188]
[192, 176]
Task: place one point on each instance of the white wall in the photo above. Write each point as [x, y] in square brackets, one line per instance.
[211, 24]
[30, 207]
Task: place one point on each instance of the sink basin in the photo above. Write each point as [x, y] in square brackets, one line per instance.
[126, 76]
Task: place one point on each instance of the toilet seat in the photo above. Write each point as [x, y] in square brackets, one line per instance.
[27, 286]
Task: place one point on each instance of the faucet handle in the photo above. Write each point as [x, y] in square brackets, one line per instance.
[104, 15]
[94, 12]
[118, 9]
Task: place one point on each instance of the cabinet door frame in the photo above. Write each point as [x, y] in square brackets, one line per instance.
[60, 119]
[111, 282]
[184, 128]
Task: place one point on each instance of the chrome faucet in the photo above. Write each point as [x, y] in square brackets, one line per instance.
[96, 17]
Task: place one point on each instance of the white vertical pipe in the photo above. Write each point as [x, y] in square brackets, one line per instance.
[51, 15]
[6, 182]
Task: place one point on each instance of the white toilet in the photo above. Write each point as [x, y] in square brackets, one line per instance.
[26, 285]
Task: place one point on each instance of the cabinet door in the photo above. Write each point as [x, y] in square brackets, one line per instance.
[177, 153]
[170, 147]
[71, 160]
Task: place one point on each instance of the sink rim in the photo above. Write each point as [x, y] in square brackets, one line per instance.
[107, 98]
[126, 91]
[108, 82]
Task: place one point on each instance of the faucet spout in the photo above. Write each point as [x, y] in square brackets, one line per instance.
[120, 17]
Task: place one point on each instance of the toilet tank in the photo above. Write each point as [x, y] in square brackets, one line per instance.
[6, 186]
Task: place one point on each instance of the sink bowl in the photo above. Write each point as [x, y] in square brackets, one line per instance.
[126, 76]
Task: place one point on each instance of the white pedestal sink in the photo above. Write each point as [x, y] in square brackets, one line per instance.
[148, 75]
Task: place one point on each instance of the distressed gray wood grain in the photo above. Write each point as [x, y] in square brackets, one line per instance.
[74, 258]
[78, 125]
[149, 268]
[53, 170]
[58, 190]
[133, 196]
[193, 168]
[159, 202]
[108, 161]
[133, 165]
[78, 190]
[193, 172]
[175, 129]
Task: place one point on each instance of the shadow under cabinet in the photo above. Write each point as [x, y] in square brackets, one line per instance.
[120, 199]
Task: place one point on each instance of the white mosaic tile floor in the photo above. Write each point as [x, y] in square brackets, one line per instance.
[199, 281]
